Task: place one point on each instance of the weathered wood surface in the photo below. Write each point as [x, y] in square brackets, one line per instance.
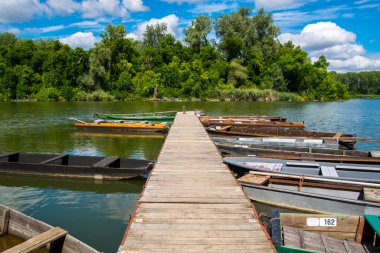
[39, 241]
[298, 238]
[371, 194]
[192, 202]
[346, 226]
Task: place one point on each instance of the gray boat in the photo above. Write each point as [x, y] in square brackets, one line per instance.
[281, 142]
[311, 195]
[347, 171]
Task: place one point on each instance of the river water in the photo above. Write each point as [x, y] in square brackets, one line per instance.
[98, 213]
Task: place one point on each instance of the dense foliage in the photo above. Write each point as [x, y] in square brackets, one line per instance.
[367, 83]
[246, 62]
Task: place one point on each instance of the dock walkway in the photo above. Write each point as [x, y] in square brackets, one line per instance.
[191, 201]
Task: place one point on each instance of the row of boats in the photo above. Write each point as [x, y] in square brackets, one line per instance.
[334, 188]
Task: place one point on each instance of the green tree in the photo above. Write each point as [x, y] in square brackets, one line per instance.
[196, 33]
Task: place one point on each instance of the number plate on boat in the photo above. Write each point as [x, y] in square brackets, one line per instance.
[321, 222]
[327, 222]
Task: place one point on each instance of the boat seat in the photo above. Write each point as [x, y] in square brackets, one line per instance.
[329, 171]
[50, 236]
[12, 157]
[111, 161]
[65, 159]
[302, 164]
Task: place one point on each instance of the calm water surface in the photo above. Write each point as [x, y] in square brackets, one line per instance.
[98, 213]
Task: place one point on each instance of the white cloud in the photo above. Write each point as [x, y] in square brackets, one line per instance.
[357, 63]
[62, 7]
[183, 1]
[338, 45]
[319, 35]
[280, 4]
[45, 29]
[80, 39]
[135, 5]
[132, 36]
[340, 52]
[100, 8]
[12, 11]
[171, 21]
[214, 7]
[4, 28]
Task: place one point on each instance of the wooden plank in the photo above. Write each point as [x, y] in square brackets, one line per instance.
[108, 161]
[328, 171]
[254, 179]
[38, 241]
[5, 222]
[345, 224]
[371, 194]
[64, 158]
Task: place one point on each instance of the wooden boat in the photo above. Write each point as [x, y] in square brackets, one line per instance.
[321, 233]
[167, 116]
[347, 140]
[299, 153]
[347, 171]
[249, 122]
[284, 142]
[262, 118]
[311, 194]
[132, 127]
[36, 234]
[73, 166]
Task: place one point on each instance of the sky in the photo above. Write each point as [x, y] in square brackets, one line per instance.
[345, 31]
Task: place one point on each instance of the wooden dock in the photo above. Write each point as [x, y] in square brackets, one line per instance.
[191, 201]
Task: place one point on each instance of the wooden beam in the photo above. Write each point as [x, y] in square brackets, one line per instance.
[12, 157]
[65, 159]
[5, 222]
[111, 161]
[38, 241]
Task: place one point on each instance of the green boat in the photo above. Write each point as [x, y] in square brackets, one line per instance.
[167, 116]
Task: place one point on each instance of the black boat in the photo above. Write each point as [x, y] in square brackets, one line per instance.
[73, 166]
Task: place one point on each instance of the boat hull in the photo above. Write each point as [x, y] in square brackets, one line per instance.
[82, 167]
[122, 127]
[309, 202]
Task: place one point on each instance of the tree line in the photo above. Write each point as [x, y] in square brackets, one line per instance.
[244, 59]
[362, 83]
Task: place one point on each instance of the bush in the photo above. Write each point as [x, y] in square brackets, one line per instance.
[101, 95]
[47, 94]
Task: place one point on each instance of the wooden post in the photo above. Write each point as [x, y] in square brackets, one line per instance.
[276, 227]
[5, 222]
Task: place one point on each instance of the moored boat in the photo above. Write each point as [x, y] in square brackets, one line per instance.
[310, 233]
[73, 166]
[347, 171]
[311, 194]
[248, 122]
[347, 140]
[167, 116]
[133, 127]
[299, 153]
[36, 234]
[262, 118]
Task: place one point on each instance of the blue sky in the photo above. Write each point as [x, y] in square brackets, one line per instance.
[345, 31]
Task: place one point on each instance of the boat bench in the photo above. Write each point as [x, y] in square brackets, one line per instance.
[65, 159]
[12, 157]
[54, 236]
[329, 171]
[111, 161]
